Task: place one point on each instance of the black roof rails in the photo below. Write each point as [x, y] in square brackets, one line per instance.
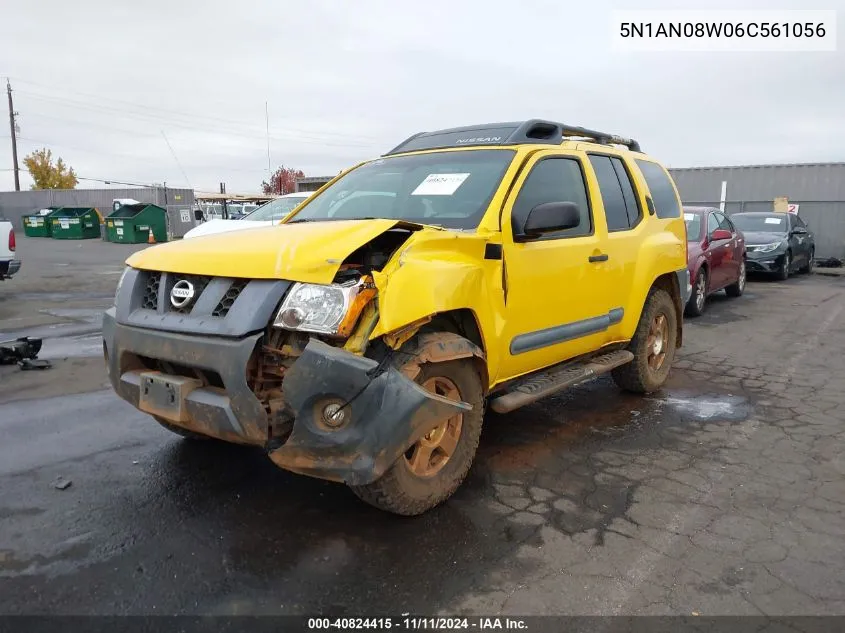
[514, 133]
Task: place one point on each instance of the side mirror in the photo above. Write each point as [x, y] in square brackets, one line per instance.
[548, 218]
[198, 215]
[721, 234]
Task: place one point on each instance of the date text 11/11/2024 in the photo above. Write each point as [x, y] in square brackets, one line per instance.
[408, 623]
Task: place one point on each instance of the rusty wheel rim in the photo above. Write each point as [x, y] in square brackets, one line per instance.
[658, 341]
[433, 450]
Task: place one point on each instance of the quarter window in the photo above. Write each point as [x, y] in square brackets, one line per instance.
[662, 192]
[554, 180]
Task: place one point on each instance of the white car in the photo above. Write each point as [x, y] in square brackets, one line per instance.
[9, 262]
[265, 215]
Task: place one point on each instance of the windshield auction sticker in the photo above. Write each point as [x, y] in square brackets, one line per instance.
[440, 185]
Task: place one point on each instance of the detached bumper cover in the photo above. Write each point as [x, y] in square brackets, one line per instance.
[385, 413]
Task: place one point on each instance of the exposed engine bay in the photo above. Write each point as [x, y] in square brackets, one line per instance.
[279, 348]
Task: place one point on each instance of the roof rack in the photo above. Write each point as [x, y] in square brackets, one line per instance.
[514, 133]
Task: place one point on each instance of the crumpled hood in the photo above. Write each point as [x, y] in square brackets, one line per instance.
[308, 251]
[222, 226]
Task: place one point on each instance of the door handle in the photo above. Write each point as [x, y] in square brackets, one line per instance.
[598, 258]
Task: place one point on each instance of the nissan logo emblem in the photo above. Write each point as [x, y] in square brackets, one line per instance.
[182, 293]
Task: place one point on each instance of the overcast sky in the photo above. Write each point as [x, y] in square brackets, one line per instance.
[106, 84]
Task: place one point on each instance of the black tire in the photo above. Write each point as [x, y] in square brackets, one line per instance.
[810, 261]
[786, 262]
[178, 430]
[698, 296]
[736, 290]
[639, 376]
[403, 492]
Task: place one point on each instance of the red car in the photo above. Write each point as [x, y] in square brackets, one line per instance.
[715, 256]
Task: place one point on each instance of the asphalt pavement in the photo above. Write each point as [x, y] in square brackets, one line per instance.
[722, 494]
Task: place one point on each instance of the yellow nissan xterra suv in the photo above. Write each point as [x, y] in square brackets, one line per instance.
[360, 340]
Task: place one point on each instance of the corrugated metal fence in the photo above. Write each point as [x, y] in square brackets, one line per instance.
[818, 189]
[14, 205]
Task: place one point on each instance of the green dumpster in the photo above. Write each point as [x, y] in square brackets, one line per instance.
[75, 223]
[133, 223]
[38, 224]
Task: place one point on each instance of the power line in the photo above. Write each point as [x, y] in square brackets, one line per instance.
[170, 147]
[184, 118]
[135, 105]
[215, 128]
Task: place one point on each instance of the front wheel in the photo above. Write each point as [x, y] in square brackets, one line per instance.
[653, 346]
[785, 265]
[736, 289]
[695, 305]
[435, 466]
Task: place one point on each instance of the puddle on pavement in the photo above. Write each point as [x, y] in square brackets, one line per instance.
[88, 346]
[707, 407]
[84, 321]
[596, 412]
[62, 296]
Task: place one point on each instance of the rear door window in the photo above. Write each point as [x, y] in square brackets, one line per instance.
[631, 204]
[615, 210]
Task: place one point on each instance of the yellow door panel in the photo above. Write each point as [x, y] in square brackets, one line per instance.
[557, 304]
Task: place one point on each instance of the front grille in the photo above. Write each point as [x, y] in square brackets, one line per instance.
[156, 288]
[228, 300]
[150, 299]
[198, 282]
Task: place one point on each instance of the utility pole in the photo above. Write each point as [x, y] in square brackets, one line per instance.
[267, 124]
[13, 129]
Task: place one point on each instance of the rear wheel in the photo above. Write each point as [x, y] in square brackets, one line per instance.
[736, 289]
[178, 430]
[432, 469]
[653, 346]
[698, 298]
[785, 265]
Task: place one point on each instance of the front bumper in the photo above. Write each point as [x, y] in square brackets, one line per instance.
[383, 411]
[9, 268]
[764, 262]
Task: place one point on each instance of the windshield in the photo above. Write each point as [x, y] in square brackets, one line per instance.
[760, 223]
[274, 210]
[693, 221]
[448, 189]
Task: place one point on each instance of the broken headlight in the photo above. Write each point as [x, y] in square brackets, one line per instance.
[329, 309]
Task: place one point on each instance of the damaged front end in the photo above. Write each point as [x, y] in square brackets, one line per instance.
[251, 361]
[352, 416]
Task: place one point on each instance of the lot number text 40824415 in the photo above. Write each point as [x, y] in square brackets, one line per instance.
[415, 623]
